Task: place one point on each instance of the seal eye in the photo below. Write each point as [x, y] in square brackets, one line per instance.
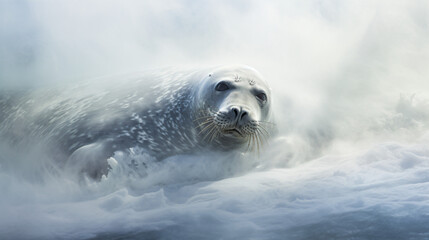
[262, 97]
[222, 86]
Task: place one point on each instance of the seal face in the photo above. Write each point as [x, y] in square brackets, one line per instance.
[234, 108]
[167, 113]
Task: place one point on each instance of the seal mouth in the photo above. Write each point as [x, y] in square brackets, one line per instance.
[233, 132]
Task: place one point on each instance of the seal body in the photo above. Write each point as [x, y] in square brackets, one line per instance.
[165, 112]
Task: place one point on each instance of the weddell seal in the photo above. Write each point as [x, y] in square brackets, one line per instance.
[164, 112]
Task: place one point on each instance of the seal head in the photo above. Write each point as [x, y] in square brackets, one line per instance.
[234, 108]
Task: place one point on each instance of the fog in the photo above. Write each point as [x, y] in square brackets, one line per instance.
[351, 99]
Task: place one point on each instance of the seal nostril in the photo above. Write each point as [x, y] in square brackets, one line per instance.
[243, 114]
[235, 110]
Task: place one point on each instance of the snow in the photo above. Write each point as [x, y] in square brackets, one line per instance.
[382, 192]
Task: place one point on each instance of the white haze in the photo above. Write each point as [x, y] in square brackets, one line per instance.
[350, 83]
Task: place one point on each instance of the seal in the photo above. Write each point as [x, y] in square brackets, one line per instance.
[164, 112]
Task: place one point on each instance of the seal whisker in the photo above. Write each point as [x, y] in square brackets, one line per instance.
[264, 136]
[203, 117]
[265, 122]
[257, 143]
[267, 125]
[248, 143]
[207, 133]
[265, 130]
[214, 135]
[258, 134]
[204, 123]
[252, 142]
[206, 127]
[263, 139]
[210, 132]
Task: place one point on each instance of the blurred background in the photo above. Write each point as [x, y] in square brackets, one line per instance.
[328, 62]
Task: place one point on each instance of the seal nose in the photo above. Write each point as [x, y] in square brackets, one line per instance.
[240, 115]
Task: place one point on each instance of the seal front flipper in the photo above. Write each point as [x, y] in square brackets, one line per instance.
[90, 160]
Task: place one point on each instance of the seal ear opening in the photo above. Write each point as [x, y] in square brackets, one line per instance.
[210, 74]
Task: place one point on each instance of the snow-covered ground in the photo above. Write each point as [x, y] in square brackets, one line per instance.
[379, 193]
[351, 88]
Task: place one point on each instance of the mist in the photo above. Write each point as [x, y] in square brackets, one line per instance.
[351, 99]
